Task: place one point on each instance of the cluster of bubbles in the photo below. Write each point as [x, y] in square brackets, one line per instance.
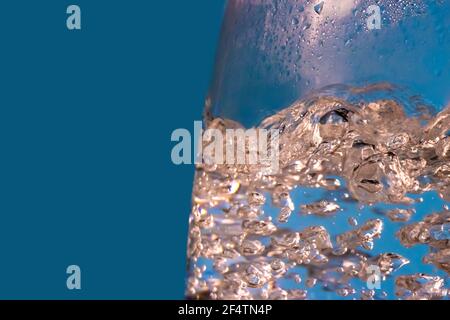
[374, 151]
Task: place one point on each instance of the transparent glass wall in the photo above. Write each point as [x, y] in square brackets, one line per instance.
[359, 93]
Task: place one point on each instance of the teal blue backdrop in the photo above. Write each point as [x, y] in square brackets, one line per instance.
[85, 121]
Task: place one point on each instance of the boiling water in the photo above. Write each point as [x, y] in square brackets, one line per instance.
[359, 209]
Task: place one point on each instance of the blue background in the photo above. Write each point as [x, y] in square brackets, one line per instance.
[85, 121]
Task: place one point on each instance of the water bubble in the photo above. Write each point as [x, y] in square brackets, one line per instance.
[311, 282]
[362, 236]
[248, 212]
[284, 215]
[251, 247]
[352, 221]
[441, 259]
[256, 199]
[337, 116]
[297, 294]
[400, 215]
[256, 227]
[321, 208]
[390, 262]
[420, 287]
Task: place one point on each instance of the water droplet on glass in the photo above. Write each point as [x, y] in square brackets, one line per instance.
[319, 7]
